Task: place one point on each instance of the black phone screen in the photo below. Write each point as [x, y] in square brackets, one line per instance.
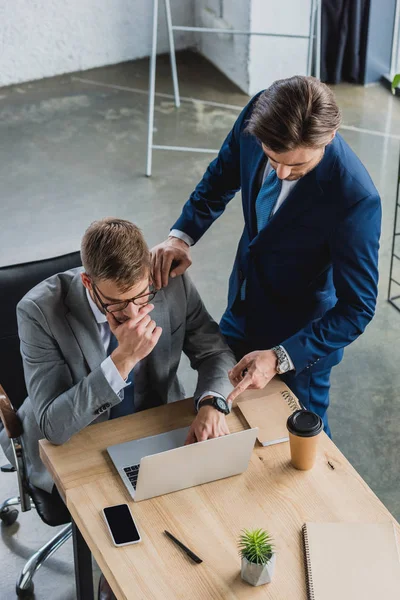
[122, 526]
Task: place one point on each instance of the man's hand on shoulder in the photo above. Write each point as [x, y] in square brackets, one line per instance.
[173, 252]
[209, 423]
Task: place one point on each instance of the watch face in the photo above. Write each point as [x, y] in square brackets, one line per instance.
[283, 367]
[221, 404]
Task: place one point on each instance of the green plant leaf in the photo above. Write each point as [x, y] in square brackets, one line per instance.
[256, 546]
[395, 82]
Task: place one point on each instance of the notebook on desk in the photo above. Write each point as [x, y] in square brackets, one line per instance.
[269, 414]
[351, 561]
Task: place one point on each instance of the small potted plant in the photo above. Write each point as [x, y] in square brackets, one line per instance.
[257, 550]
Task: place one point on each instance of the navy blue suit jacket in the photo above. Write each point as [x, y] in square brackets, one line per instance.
[312, 272]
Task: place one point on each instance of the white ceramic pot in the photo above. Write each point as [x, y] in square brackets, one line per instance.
[258, 574]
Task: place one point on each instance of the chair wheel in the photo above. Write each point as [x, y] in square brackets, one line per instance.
[8, 516]
[27, 594]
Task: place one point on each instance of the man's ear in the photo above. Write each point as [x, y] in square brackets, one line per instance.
[86, 281]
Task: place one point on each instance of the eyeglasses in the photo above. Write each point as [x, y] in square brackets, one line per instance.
[113, 307]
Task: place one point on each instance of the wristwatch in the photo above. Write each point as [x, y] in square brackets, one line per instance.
[283, 365]
[217, 402]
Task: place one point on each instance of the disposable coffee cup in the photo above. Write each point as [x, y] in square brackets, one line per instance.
[304, 429]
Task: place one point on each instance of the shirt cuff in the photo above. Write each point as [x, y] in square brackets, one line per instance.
[113, 376]
[209, 393]
[182, 236]
[291, 365]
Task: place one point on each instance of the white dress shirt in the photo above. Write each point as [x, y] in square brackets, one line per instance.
[286, 188]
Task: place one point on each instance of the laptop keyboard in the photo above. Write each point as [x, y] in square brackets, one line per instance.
[132, 473]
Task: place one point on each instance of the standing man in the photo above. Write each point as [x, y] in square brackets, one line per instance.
[304, 281]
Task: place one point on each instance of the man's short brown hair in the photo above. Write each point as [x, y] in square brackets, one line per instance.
[115, 249]
[295, 112]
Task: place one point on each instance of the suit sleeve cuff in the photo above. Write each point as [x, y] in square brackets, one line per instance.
[208, 393]
[113, 376]
[182, 236]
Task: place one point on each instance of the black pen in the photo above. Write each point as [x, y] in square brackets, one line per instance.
[190, 554]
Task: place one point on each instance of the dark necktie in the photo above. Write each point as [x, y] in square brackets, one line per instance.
[127, 406]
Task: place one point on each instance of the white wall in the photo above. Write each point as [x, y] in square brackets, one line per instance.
[254, 62]
[272, 58]
[41, 38]
[229, 53]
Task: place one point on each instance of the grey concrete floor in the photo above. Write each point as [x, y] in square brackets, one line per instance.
[73, 149]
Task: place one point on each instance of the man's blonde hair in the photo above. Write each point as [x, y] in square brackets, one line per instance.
[115, 249]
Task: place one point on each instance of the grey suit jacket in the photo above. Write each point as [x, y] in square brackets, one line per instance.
[62, 352]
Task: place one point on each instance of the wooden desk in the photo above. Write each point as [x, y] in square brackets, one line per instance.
[208, 519]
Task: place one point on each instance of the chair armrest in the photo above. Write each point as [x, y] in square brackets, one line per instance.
[9, 417]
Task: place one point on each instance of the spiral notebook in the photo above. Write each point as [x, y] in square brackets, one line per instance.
[269, 414]
[351, 561]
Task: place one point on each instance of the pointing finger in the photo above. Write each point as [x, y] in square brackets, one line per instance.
[241, 387]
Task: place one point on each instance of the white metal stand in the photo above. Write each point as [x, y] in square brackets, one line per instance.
[314, 34]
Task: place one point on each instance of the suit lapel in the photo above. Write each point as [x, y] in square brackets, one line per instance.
[83, 324]
[306, 192]
[259, 159]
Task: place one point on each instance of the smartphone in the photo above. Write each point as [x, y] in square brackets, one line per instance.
[121, 525]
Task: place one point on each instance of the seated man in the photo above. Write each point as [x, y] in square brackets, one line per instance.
[98, 343]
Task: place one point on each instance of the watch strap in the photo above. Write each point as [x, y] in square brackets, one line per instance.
[283, 360]
[214, 403]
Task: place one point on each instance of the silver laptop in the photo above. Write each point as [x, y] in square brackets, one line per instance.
[161, 464]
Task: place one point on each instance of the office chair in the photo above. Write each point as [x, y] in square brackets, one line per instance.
[15, 282]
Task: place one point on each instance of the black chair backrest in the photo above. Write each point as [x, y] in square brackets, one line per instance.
[15, 282]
